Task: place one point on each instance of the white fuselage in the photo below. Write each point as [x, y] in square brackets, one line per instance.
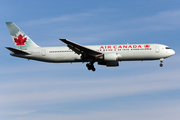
[108, 55]
[126, 52]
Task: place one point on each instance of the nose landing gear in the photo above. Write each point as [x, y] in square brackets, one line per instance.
[90, 66]
[161, 61]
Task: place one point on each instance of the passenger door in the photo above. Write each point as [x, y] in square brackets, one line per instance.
[43, 52]
[157, 49]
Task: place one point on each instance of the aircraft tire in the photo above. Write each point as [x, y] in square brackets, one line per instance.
[161, 65]
[93, 69]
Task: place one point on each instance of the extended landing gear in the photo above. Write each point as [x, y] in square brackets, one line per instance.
[161, 65]
[90, 66]
[161, 61]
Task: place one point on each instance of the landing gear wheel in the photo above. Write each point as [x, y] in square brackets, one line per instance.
[90, 66]
[93, 69]
[161, 65]
[87, 65]
[161, 61]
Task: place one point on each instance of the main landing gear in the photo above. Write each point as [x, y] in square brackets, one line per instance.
[161, 61]
[90, 66]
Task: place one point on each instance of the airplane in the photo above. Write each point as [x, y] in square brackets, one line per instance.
[107, 55]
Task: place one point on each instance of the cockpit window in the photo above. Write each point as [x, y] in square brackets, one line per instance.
[168, 48]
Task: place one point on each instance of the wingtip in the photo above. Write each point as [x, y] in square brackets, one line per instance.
[7, 47]
[62, 39]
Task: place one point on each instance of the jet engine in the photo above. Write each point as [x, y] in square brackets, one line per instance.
[110, 60]
[111, 57]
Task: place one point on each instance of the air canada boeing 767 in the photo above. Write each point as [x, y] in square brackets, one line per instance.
[108, 55]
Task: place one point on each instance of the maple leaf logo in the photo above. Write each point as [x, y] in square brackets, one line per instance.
[146, 46]
[20, 40]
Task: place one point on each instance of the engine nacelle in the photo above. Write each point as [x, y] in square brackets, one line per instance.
[109, 64]
[111, 57]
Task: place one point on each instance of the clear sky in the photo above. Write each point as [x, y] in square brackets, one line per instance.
[32, 90]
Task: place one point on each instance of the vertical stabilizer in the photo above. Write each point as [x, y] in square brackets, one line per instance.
[21, 40]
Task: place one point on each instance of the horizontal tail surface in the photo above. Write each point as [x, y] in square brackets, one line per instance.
[21, 40]
[16, 51]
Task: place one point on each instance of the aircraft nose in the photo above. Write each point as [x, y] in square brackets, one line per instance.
[172, 52]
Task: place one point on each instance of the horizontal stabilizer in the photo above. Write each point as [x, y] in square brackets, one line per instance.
[18, 51]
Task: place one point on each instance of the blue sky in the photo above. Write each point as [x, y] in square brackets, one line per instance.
[32, 90]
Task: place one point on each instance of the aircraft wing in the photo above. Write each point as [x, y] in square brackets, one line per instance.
[79, 49]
